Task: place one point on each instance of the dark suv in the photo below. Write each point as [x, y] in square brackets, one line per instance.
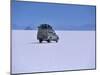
[46, 33]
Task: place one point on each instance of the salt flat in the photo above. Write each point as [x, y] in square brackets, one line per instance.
[74, 50]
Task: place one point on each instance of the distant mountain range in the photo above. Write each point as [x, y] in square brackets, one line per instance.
[55, 27]
[29, 28]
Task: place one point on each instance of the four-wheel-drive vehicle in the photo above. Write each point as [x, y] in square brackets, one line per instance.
[46, 33]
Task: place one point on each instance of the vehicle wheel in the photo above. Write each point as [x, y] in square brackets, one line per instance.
[40, 40]
[48, 41]
[56, 40]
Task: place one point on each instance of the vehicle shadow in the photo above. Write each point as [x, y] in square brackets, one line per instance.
[41, 43]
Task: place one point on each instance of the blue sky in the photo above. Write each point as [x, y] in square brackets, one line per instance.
[59, 16]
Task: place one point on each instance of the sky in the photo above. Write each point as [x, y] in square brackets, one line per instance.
[59, 16]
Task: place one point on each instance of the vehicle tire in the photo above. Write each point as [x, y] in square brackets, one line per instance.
[40, 40]
[48, 41]
[56, 41]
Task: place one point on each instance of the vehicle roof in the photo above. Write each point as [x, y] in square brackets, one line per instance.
[45, 26]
